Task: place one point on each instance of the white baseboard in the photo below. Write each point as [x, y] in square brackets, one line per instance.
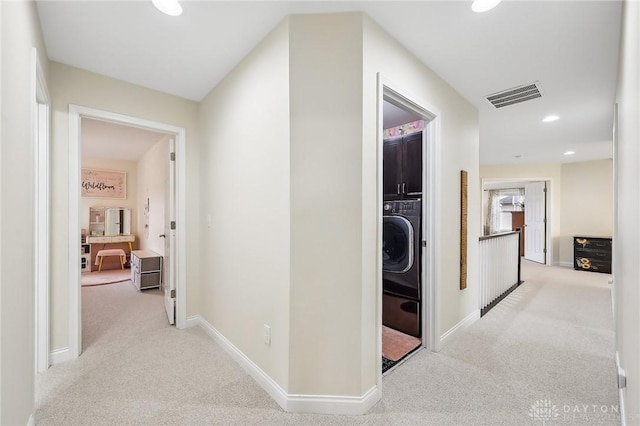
[564, 264]
[456, 329]
[59, 356]
[621, 392]
[320, 404]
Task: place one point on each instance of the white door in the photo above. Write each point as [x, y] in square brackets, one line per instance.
[169, 284]
[535, 221]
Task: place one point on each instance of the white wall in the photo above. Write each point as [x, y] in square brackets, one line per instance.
[587, 203]
[131, 168]
[626, 239]
[459, 151]
[305, 194]
[245, 191]
[152, 175]
[536, 172]
[20, 33]
[70, 85]
[326, 205]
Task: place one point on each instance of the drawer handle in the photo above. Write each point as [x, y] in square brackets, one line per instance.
[162, 236]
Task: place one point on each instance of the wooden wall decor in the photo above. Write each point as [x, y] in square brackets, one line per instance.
[463, 229]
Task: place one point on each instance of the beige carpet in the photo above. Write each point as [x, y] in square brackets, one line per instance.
[551, 341]
[105, 277]
[395, 344]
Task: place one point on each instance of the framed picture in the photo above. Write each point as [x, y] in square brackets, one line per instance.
[104, 184]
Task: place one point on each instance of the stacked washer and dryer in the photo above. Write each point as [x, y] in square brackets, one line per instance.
[401, 259]
[402, 234]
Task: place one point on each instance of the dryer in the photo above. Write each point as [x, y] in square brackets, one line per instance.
[401, 265]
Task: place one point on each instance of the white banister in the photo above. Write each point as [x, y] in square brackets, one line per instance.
[499, 267]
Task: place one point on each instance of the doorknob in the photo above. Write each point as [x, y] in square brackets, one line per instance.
[162, 236]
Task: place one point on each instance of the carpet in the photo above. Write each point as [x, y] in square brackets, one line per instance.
[551, 341]
[105, 277]
[395, 345]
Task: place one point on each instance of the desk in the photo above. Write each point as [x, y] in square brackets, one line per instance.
[111, 242]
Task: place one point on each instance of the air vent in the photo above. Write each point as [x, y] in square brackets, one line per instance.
[516, 95]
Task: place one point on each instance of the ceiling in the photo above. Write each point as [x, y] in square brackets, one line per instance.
[101, 139]
[570, 47]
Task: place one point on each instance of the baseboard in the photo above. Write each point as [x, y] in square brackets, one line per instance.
[343, 405]
[456, 329]
[193, 321]
[59, 356]
[621, 392]
[564, 264]
[319, 404]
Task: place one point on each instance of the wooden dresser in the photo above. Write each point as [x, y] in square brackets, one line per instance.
[592, 253]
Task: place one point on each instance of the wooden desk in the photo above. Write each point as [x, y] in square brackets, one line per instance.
[111, 242]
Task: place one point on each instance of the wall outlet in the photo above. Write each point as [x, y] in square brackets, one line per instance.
[267, 335]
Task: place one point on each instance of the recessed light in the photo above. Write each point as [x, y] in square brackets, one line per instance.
[484, 5]
[569, 152]
[168, 7]
[550, 118]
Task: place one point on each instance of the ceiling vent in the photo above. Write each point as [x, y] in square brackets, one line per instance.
[516, 95]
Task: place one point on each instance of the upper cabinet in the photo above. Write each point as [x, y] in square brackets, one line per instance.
[402, 167]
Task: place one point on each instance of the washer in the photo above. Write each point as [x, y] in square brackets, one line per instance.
[401, 269]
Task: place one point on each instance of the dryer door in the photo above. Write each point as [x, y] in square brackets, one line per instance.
[397, 244]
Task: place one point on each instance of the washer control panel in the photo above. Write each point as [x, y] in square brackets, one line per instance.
[404, 207]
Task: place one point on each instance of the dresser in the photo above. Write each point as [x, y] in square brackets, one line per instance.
[592, 253]
[146, 269]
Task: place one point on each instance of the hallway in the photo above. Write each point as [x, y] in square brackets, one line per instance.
[550, 343]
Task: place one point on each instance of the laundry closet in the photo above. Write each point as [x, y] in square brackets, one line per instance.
[402, 297]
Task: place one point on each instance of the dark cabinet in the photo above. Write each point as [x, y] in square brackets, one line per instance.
[402, 167]
[592, 254]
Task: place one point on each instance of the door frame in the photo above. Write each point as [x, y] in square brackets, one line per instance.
[431, 142]
[76, 113]
[41, 131]
[548, 207]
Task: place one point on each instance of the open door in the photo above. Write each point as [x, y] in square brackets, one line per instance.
[169, 284]
[535, 221]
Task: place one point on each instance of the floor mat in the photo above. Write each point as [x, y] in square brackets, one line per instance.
[387, 364]
[395, 344]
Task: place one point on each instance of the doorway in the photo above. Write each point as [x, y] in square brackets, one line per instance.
[123, 197]
[174, 291]
[408, 165]
[520, 204]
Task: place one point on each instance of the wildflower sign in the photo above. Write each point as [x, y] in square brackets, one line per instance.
[104, 184]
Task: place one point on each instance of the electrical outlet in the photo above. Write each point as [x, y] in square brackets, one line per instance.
[267, 335]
